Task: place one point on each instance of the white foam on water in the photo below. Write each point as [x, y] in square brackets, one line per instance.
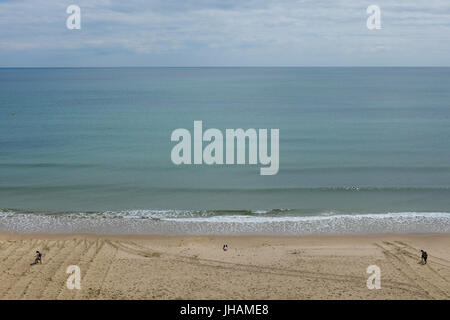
[323, 217]
[204, 222]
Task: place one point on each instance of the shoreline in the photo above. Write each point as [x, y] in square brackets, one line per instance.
[196, 267]
[6, 234]
[161, 223]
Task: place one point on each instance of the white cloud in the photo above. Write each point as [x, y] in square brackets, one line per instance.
[253, 32]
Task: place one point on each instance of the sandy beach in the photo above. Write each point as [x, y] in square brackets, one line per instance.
[254, 267]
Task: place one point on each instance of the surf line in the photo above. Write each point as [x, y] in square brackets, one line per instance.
[235, 144]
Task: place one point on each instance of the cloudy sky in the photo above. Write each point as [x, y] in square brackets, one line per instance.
[224, 33]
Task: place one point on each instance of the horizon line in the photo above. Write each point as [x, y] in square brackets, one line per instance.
[174, 67]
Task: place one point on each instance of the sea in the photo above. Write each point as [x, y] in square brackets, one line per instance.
[361, 150]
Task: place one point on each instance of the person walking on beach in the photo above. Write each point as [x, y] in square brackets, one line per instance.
[38, 258]
[424, 257]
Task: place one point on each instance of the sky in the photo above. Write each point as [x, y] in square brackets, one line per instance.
[118, 33]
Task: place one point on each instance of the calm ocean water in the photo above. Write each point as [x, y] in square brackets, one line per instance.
[353, 142]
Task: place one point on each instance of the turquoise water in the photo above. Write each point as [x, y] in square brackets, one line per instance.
[352, 140]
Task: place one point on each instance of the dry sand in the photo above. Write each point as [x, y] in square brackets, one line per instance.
[188, 267]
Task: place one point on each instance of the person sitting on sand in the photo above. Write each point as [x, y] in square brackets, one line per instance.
[38, 258]
[424, 257]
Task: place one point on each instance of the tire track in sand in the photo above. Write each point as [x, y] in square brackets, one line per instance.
[434, 278]
[217, 264]
[56, 274]
[14, 266]
[399, 262]
[40, 273]
[99, 268]
[83, 263]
